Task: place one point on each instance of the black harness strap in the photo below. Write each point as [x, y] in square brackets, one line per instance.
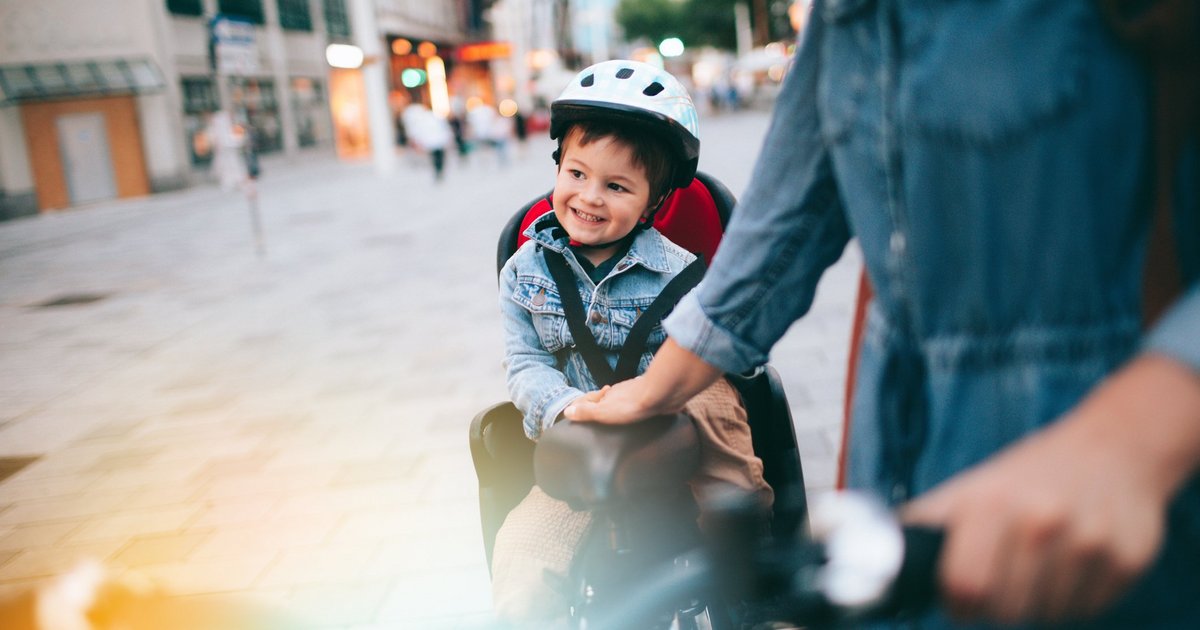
[663, 304]
[635, 344]
[585, 343]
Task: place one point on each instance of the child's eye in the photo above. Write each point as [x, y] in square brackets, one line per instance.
[616, 187]
[576, 174]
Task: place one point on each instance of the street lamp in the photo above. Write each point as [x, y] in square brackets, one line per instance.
[671, 47]
[344, 56]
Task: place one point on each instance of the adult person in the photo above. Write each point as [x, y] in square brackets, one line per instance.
[991, 158]
[430, 132]
[228, 141]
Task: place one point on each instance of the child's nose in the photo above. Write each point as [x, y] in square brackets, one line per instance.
[592, 193]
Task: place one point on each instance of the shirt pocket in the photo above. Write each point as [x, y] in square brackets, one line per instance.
[541, 298]
[988, 72]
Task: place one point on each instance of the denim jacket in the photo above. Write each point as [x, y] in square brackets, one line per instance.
[544, 370]
[991, 159]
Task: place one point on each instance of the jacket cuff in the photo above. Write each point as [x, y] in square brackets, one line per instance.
[697, 333]
[550, 411]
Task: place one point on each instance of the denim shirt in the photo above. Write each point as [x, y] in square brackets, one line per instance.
[991, 159]
[545, 372]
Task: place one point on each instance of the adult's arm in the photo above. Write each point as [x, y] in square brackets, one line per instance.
[787, 229]
[1057, 526]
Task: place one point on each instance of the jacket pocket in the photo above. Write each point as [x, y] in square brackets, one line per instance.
[624, 317]
[541, 298]
[986, 72]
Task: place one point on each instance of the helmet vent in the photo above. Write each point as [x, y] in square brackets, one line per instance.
[653, 89]
[624, 73]
[588, 80]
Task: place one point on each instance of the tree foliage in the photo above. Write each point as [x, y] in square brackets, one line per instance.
[696, 22]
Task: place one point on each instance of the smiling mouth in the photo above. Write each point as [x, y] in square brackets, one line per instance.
[589, 218]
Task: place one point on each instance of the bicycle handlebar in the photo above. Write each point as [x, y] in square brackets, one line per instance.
[856, 564]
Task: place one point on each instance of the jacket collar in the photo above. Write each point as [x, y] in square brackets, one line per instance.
[647, 249]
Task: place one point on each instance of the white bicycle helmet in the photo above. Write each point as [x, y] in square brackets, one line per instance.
[635, 92]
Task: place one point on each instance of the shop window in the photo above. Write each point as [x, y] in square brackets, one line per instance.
[255, 102]
[199, 100]
[312, 119]
[337, 23]
[294, 15]
[186, 7]
[250, 9]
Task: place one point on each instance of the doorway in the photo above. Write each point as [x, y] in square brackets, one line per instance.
[86, 157]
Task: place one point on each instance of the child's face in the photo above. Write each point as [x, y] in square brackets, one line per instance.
[601, 192]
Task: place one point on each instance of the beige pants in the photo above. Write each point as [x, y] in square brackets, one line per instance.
[537, 543]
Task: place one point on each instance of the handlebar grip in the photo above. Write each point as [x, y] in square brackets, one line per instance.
[916, 587]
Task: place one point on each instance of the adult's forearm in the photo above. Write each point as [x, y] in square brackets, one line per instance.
[674, 377]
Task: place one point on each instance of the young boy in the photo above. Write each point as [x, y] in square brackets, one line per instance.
[627, 136]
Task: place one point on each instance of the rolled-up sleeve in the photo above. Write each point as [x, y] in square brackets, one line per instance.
[1177, 334]
[786, 230]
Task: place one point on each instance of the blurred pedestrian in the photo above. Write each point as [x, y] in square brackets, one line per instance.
[992, 160]
[430, 133]
[228, 142]
[490, 129]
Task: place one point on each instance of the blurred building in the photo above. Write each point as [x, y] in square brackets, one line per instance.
[110, 99]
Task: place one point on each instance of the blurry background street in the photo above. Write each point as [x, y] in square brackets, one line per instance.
[294, 428]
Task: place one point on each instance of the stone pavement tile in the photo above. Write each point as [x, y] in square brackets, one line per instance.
[457, 546]
[273, 534]
[162, 472]
[812, 444]
[195, 576]
[423, 601]
[129, 524]
[24, 487]
[819, 475]
[47, 561]
[270, 485]
[35, 536]
[61, 509]
[145, 550]
[338, 500]
[337, 604]
[231, 511]
[335, 449]
[121, 458]
[375, 469]
[318, 564]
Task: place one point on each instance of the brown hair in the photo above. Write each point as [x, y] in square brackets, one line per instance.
[649, 151]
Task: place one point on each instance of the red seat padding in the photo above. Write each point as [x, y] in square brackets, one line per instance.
[688, 217]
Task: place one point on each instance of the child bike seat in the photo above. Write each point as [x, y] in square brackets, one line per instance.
[594, 464]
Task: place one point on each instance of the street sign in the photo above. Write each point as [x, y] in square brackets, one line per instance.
[233, 49]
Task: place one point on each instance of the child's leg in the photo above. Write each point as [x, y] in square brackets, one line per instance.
[726, 450]
[534, 550]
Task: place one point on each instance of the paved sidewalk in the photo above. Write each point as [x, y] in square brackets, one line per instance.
[293, 427]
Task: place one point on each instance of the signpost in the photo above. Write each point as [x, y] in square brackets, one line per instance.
[232, 51]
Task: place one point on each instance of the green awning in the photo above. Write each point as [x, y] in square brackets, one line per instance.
[74, 79]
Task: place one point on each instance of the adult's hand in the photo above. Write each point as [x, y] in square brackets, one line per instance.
[673, 377]
[1060, 524]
